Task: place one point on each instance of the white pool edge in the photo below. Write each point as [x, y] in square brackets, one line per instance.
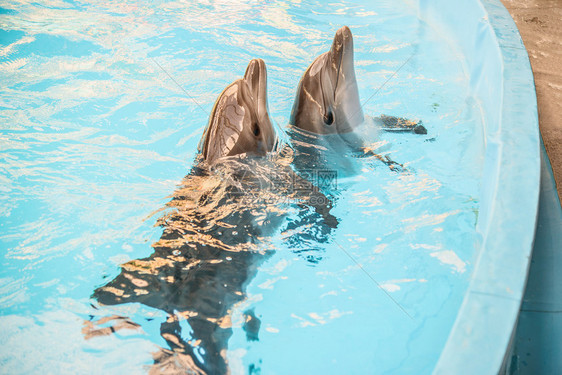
[501, 80]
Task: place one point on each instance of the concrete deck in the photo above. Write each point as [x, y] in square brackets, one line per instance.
[540, 25]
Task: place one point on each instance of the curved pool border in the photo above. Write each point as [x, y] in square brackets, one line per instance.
[502, 81]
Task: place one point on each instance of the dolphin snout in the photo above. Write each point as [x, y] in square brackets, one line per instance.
[343, 40]
[256, 74]
[342, 50]
[344, 33]
[262, 129]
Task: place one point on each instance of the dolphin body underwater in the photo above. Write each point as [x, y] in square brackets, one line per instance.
[227, 210]
[219, 231]
[327, 119]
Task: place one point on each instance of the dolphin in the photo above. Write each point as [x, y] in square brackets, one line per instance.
[327, 99]
[327, 119]
[239, 122]
[218, 230]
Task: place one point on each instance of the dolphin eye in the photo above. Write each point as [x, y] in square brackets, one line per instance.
[256, 129]
[329, 118]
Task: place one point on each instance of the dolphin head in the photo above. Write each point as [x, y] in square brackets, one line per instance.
[239, 122]
[327, 99]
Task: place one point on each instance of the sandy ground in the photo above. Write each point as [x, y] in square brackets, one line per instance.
[540, 25]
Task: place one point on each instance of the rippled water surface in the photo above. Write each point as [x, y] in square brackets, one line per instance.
[96, 137]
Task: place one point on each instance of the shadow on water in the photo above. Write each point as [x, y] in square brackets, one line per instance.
[217, 232]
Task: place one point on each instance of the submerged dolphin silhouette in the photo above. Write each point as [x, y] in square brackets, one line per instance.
[219, 231]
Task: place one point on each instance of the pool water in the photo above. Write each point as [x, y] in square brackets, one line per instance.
[96, 136]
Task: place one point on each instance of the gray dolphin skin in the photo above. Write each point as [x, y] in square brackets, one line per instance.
[239, 122]
[327, 99]
[218, 230]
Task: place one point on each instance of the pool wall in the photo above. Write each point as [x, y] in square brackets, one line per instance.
[537, 345]
[502, 81]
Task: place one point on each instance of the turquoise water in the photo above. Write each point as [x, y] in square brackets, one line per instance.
[95, 137]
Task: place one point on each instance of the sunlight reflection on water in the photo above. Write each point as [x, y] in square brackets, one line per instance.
[95, 138]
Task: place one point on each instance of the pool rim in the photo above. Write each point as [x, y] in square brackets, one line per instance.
[501, 76]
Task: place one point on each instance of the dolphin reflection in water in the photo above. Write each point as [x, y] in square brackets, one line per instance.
[218, 231]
